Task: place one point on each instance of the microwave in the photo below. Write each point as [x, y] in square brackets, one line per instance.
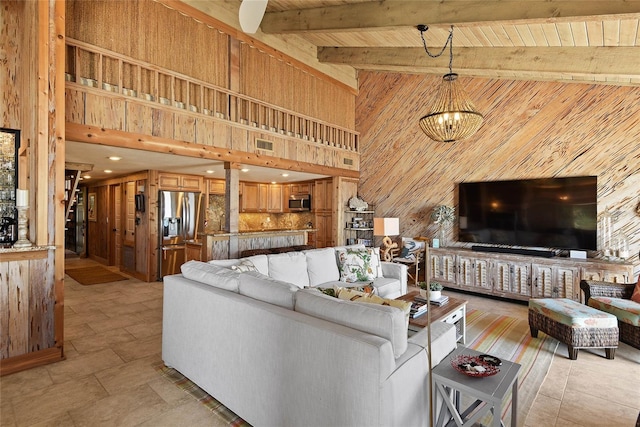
[300, 202]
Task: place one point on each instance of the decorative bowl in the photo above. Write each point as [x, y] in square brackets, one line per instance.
[473, 366]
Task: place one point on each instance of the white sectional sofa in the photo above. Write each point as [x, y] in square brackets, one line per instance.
[279, 355]
[320, 268]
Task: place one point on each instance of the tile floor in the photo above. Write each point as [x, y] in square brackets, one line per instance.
[113, 337]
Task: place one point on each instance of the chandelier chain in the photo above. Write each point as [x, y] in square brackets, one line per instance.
[449, 43]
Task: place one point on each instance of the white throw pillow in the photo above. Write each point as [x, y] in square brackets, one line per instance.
[321, 266]
[212, 275]
[289, 267]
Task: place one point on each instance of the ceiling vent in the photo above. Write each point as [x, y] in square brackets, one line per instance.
[347, 161]
[263, 144]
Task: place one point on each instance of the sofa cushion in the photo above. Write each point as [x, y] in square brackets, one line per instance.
[264, 288]
[625, 310]
[358, 265]
[289, 267]
[259, 261]
[350, 294]
[212, 275]
[321, 266]
[380, 320]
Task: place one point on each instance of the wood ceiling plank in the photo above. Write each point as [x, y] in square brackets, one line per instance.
[565, 34]
[538, 34]
[628, 32]
[551, 34]
[595, 33]
[611, 33]
[580, 35]
[502, 35]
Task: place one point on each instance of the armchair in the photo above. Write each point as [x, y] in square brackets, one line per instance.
[615, 298]
[411, 254]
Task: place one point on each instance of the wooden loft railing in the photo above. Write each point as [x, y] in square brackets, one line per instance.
[99, 68]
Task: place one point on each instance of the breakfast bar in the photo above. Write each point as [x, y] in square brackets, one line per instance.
[225, 245]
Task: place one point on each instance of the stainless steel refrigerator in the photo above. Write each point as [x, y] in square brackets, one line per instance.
[181, 218]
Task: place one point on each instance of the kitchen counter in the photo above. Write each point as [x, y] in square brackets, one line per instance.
[222, 233]
[225, 245]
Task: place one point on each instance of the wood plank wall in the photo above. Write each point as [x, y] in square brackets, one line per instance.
[151, 32]
[531, 130]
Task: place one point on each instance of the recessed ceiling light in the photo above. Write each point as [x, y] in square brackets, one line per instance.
[115, 158]
[273, 182]
[108, 171]
[285, 174]
[244, 170]
[86, 176]
[210, 171]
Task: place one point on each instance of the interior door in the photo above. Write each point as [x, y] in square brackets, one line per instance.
[115, 214]
[129, 232]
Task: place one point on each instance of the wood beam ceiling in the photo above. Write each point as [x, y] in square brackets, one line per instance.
[397, 14]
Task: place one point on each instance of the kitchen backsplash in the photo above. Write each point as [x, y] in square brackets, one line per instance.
[256, 221]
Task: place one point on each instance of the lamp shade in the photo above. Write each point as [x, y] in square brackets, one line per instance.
[386, 226]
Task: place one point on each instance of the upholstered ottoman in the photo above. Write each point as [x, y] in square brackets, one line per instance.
[575, 324]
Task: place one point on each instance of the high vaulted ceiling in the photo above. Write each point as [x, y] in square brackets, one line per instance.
[578, 41]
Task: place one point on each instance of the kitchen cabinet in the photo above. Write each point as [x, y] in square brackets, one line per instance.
[300, 188]
[216, 186]
[322, 200]
[324, 233]
[170, 181]
[322, 205]
[274, 198]
[193, 251]
[518, 276]
[258, 197]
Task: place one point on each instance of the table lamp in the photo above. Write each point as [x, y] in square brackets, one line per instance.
[386, 227]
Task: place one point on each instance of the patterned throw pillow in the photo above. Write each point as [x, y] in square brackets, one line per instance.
[244, 266]
[358, 265]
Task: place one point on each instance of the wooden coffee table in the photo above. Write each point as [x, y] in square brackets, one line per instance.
[453, 312]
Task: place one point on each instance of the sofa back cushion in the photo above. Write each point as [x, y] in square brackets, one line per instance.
[289, 267]
[321, 266]
[380, 320]
[212, 275]
[259, 261]
[264, 288]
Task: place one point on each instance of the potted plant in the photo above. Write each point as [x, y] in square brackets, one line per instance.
[436, 290]
[423, 289]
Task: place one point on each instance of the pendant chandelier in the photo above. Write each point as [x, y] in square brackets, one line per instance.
[453, 116]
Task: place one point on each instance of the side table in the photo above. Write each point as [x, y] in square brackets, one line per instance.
[488, 392]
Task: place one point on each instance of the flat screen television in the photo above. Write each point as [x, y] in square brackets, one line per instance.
[548, 212]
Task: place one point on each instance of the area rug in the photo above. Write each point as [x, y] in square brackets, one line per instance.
[94, 275]
[200, 395]
[509, 338]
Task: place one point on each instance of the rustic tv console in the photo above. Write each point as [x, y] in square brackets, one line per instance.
[515, 276]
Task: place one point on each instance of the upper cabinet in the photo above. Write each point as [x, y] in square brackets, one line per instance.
[300, 188]
[171, 181]
[216, 186]
[322, 196]
[261, 197]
